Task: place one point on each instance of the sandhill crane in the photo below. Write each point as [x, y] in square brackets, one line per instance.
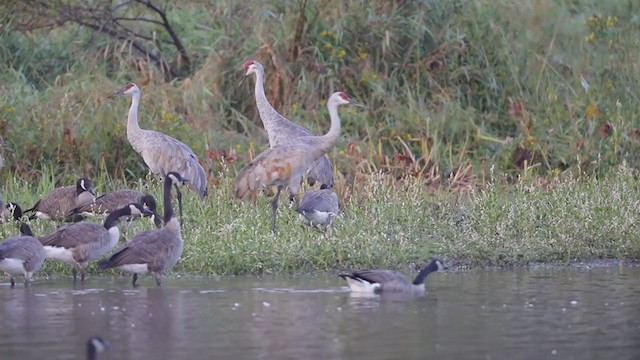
[153, 251]
[9, 211]
[318, 208]
[21, 255]
[163, 153]
[281, 130]
[284, 165]
[387, 281]
[80, 243]
[95, 346]
[60, 201]
[112, 201]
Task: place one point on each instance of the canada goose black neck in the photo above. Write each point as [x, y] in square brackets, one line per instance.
[112, 219]
[15, 209]
[422, 275]
[96, 345]
[25, 229]
[168, 210]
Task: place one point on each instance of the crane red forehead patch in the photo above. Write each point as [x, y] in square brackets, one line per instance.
[344, 95]
[248, 63]
[128, 86]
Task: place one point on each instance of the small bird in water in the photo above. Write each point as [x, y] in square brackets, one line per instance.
[387, 281]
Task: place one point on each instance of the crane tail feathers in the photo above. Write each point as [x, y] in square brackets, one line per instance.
[249, 181]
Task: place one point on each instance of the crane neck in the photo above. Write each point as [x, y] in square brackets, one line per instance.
[330, 139]
[132, 120]
[268, 114]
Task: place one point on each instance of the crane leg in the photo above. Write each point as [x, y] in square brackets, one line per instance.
[135, 279]
[13, 282]
[179, 201]
[274, 209]
[74, 271]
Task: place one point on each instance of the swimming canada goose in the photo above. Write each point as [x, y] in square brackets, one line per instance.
[21, 255]
[80, 243]
[95, 346]
[109, 202]
[318, 207]
[153, 251]
[60, 201]
[377, 281]
[9, 211]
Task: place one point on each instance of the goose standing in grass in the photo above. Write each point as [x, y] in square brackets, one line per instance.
[83, 242]
[281, 130]
[112, 201]
[60, 201]
[387, 281]
[152, 251]
[9, 211]
[285, 165]
[161, 152]
[318, 208]
[95, 346]
[21, 255]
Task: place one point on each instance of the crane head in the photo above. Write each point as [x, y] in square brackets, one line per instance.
[250, 67]
[342, 98]
[128, 89]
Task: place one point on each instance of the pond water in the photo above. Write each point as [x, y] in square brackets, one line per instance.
[538, 314]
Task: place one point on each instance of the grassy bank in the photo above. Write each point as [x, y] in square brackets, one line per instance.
[394, 225]
[493, 135]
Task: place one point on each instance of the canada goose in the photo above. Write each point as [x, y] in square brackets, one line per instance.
[9, 211]
[80, 243]
[377, 281]
[152, 251]
[95, 346]
[21, 255]
[318, 207]
[112, 201]
[60, 201]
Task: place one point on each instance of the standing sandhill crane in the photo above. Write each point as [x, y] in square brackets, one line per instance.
[387, 281]
[284, 165]
[318, 207]
[9, 211]
[153, 251]
[112, 201]
[60, 201]
[21, 255]
[82, 242]
[163, 153]
[281, 130]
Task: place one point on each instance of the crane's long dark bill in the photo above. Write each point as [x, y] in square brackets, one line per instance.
[240, 83]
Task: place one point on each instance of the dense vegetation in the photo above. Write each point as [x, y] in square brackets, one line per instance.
[540, 94]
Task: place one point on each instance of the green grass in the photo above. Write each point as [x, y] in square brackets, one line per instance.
[456, 93]
[392, 225]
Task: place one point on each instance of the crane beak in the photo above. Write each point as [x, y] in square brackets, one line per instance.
[115, 94]
[241, 82]
[353, 102]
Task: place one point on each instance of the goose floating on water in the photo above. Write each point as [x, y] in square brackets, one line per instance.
[379, 281]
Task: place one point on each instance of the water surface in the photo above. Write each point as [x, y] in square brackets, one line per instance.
[541, 314]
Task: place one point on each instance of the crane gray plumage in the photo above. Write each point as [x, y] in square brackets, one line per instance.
[379, 281]
[281, 130]
[152, 251]
[21, 255]
[318, 207]
[161, 152]
[57, 204]
[285, 165]
[83, 242]
[112, 201]
[9, 211]
[95, 346]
